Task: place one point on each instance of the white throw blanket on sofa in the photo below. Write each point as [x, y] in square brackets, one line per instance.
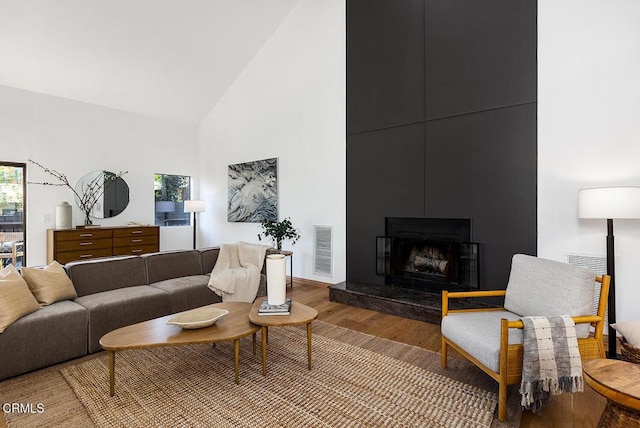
[236, 274]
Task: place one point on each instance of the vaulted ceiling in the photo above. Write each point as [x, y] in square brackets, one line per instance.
[172, 59]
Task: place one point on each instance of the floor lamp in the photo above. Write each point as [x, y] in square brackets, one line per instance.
[610, 203]
[194, 206]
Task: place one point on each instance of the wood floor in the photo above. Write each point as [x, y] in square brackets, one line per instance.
[567, 410]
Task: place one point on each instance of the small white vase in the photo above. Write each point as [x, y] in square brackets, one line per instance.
[276, 279]
[63, 216]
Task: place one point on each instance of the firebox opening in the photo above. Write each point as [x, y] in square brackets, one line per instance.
[436, 260]
[428, 254]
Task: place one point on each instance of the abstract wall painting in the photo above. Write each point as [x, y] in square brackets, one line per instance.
[253, 191]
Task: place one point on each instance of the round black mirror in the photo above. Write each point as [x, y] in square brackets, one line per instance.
[104, 194]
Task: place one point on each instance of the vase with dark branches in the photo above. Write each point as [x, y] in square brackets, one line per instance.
[89, 193]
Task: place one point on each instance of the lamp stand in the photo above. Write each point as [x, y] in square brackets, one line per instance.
[194, 206]
[611, 269]
[194, 230]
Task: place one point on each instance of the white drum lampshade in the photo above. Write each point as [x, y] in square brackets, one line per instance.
[609, 202]
[193, 206]
[276, 279]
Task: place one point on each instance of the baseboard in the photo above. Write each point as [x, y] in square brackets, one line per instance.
[305, 281]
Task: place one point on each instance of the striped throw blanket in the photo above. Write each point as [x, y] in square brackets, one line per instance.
[551, 362]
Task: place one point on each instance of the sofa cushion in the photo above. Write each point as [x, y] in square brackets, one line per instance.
[16, 300]
[540, 287]
[53, 334]
[49, 284]
[172, 264]
[478, 333]
[113, 309]
[209, 258]
[98, 275]
[188, 292]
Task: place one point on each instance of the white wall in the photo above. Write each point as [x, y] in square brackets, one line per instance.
[589, 129]
[288, 103]
[75, 138]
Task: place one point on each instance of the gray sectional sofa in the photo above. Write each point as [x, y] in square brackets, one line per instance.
[112, 292]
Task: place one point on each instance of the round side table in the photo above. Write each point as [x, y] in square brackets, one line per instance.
[618, 382]
[300, 314]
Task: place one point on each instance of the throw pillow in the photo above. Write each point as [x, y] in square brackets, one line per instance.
[630, 330]
[50, 284]
[16, 300]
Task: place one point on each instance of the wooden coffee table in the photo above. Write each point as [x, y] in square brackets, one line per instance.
[300, 314]
[156, 332]
[618, 382]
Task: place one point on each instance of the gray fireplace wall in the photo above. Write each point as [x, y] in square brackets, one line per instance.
[441, 122]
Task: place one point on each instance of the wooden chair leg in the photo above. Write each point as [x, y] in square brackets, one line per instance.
[443, 354]
[502, 400]
[504, 364]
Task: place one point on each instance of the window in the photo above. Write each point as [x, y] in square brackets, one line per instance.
[12, 219]
[170, 193]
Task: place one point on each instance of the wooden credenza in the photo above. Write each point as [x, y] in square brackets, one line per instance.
[79, 244]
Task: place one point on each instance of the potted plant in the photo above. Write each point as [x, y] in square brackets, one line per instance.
[278, 231]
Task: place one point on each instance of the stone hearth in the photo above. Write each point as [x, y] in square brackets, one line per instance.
[407, 303]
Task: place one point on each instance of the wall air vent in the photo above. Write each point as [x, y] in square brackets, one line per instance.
[323, 250]
[598, 264]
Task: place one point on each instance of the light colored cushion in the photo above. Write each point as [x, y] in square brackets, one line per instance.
[540, 287]
[16, 300]
[478, 334]
[50, 284]
[630, 330]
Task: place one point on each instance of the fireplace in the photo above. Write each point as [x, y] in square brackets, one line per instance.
[428, 259]
[428, 254]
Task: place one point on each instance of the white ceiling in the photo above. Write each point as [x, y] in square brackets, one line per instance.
[171, 59]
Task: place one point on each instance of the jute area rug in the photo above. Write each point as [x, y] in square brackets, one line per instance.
[356, 380]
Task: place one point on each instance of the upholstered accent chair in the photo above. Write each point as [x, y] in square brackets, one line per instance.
[491, 338]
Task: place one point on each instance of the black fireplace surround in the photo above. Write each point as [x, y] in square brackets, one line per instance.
[464, 146]
[428, 254]
[418, 257]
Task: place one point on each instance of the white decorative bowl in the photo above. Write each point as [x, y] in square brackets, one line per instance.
[197, 318]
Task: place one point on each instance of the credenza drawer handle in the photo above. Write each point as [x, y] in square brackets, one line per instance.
[86, 243]
[86, 256]
[136, 232]
[136, 251]
[136, 240]
[86, 235]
